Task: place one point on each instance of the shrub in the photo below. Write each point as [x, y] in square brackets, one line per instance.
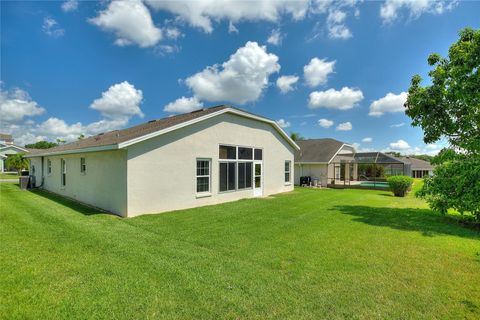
[400, 185]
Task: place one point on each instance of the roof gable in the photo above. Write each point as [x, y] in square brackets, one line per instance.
[119, 139]
[12, 146]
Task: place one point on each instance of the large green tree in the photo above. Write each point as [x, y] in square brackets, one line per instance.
[449, 108]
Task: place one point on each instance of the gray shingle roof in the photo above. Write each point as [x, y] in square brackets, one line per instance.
[317, 150]
[119, 136]
[417, 164]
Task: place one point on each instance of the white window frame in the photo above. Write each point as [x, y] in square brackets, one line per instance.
[49, 166]
[83, 166]
[209, 176]
[289, 171]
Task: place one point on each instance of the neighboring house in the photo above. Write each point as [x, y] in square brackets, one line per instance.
[418, 168]
[326, 160]
[8, 148]
[204, 157]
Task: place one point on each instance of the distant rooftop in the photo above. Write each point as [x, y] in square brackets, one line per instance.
[317, 150]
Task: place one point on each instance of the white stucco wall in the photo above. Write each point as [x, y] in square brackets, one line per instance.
[103, 184]
[162, 170]
[313, 170]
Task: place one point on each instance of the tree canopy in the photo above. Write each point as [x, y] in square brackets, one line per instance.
[41, 145]
[295, 136]
[450, 108]
[17, 162]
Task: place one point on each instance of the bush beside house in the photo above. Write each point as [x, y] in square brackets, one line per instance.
[400, 185]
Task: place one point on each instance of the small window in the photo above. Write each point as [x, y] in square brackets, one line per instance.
[203, 175]
[287, 170]
[245, 153]
[227, 176]
[227, 152]
[63, 166]
[49, 166]
[83, 165]
[258, 154]
[33, 170]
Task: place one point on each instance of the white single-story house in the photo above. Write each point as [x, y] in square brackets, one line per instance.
[418, 167]
[7, 148]
[321, 160]
[208, 156]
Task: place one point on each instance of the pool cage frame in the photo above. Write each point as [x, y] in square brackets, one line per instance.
[370, 167]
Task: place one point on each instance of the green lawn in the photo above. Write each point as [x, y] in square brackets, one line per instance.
[315, 254]
[8, 176]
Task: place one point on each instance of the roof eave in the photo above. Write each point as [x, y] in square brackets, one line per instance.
[82, 150]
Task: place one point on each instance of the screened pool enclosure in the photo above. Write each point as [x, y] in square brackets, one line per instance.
[365, 170]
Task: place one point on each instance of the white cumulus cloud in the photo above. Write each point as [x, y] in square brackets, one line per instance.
[390, 9]
[336, 25]
[397, 125]
[16, 105]
[201, 14]
[367, 140]
[131, 22]
[390, 103]
[183, 105]
[400, 145]
[120, 100]
[117, 105]
[285, 83]
[317, 70]
[325, 123]
[239, 80]
[283, 124]
[344, 99]
[345, 126]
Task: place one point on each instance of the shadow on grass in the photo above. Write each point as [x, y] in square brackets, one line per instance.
[425, 221]
[69, 203]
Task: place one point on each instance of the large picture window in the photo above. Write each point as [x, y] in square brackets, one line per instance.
[287, 170]
[236, 167]
[203, 175]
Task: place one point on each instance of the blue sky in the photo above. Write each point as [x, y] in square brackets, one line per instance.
[86, 67]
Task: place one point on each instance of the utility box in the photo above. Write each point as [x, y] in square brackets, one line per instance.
[24, 180]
